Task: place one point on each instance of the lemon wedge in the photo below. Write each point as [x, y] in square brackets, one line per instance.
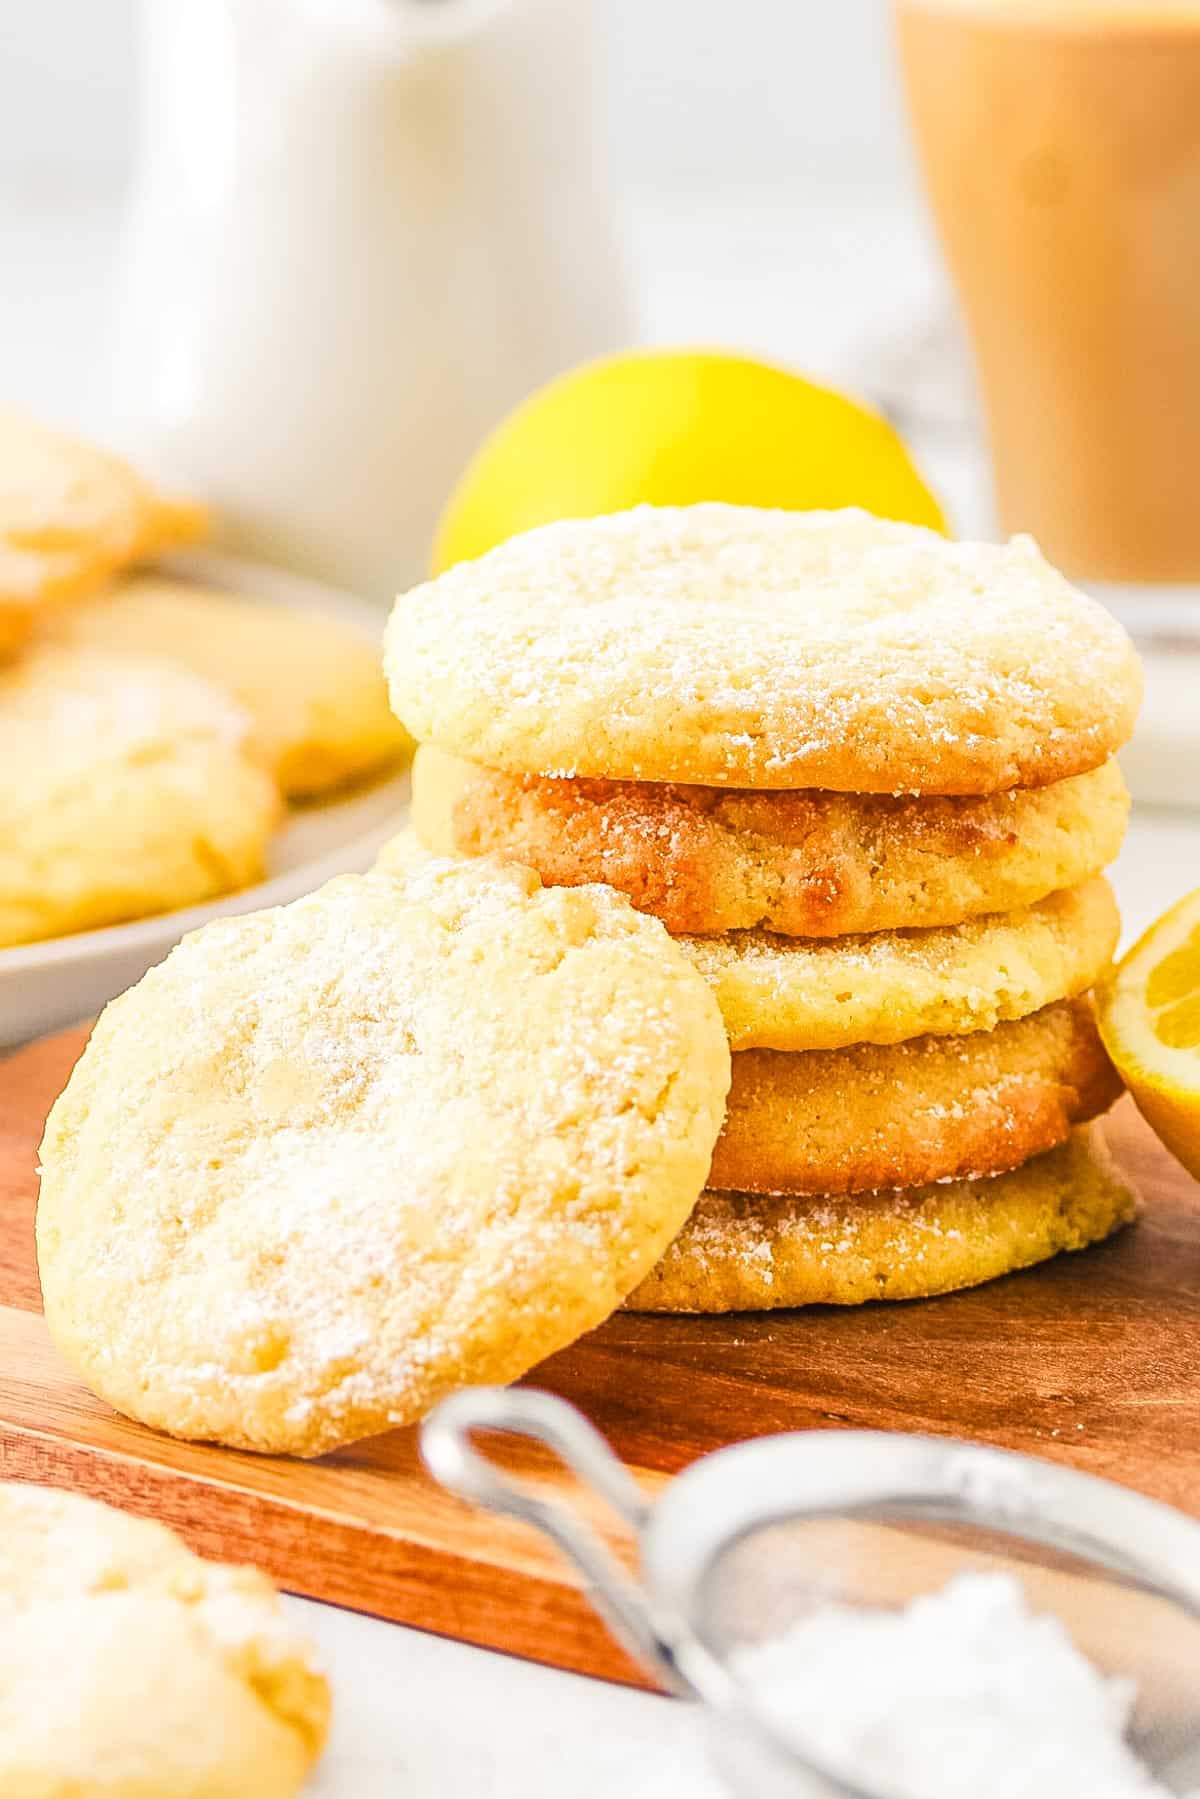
[671, 427]
[1149, 1013]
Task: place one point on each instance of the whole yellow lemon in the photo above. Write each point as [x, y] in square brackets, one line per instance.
[671, 427]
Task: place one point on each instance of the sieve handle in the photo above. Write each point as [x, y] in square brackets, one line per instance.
[454, 1460]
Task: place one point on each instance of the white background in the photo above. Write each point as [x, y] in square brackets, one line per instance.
[760, 161]
[714, 98]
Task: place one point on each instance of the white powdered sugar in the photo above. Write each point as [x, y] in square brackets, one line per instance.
[734, 646]
[964, 1694]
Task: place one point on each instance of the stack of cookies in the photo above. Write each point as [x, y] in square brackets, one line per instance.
[423, 1128]
[864, 776]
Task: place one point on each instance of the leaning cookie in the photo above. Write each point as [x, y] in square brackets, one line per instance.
[741, 1252]
[127, 787]
[806, 864]
[329, 1162]
[733, 647]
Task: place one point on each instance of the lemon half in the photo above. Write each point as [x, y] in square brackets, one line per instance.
[671, 427]
[1149, 1013]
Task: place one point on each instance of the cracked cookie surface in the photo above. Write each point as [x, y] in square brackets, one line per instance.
[327, 1163]
[735, 647]
[130, 1667]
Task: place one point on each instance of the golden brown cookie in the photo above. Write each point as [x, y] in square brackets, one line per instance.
[132, 1669]
[313, 687]
[329, 1162]
[734, 647]
[898, 1115]
[127, 787]
[807, 864]
[739, 1252]
[72, 515]
[798, 993]
[16, 621]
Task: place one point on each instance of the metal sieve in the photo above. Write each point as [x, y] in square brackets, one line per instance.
[751, 1538]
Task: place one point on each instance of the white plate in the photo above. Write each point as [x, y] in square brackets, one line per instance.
[46, 985]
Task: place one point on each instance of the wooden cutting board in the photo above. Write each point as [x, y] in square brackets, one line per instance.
[1093, 1360]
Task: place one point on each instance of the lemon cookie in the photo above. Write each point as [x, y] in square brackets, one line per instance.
[132, 1669]
[313, 688]
[16, 620]
[127, 787]
[897, 1115]
[799, 993]
[808, 864]
[329, 1162]
[733, 647]
[72, 515]
[739, 1252]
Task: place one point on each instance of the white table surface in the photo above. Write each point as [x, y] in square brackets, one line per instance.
[415, 1714]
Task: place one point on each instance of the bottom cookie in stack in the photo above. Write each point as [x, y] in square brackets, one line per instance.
[747, 1252]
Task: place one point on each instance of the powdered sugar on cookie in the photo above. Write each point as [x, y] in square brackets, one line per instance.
[735, 647]
[329, 1162]
[741, 1252]
[795, 993]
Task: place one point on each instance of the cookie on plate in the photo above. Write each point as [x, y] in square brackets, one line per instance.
[129, 1667]
[799, 993]
[733, 647]
[313, 687]
[72, 515]
[744, 1252]
[897, 1115]
[127, 787]
[326, 1163]
[807, 864]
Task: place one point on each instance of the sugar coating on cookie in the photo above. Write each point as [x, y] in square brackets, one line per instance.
[72, 514]
[313, 687]
[808, 864]
[744, 1252]
[730, 646]
[128, 786]
[801, 993]
[131, 1667]
[329, 1162]
[899, 1115]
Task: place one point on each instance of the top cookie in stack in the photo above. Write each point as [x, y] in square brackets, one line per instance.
[865, 775]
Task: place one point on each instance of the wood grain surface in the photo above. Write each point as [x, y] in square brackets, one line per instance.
[1093, 1360]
